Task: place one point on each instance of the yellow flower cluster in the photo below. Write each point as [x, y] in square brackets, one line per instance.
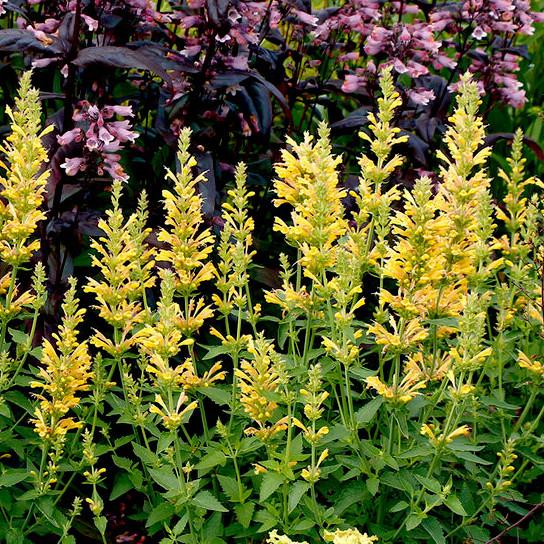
[308, 181]
[187, 244]
[349, 536]
[64, 372]
[259, 381]
[234, 250]
[126, 264]
[23, 183]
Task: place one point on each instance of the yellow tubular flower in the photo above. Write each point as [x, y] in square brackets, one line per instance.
[308, 181]
[125, 263]
[258, 380]
[64, 372]
[22, 186]
[234, 251]
[465, 184]
[532, 365]
[374, 205]
[188, 245]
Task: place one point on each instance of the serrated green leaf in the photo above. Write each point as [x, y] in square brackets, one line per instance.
[454, 504]
[13, 477]
[212, 459]
[433, 527]
[206, 500]
[430, 484]
[244, 513]
[296, 492]
[219, 396]
[412, 521]
[229, 486]
[399, 506]
[372, 484]
[165, 477]
[367, 413]
[122, 485]
[161, 512]
[271, 482]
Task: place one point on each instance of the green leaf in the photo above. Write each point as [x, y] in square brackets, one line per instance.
[271, 482]
[13, 477]
[219, 396]
[433, 527]
[161, 512]
[372, 484]
[206, 500]
[101, 523]
[454, 504]
[229, 485]
[430, 484]
[412, 521]
[19, 337]
[212, 459]
[297, 491]
[143, 454]
[121, 486]
[401, 505]
[367, 413]
[467, 456]
[244, 513]
[165, 477]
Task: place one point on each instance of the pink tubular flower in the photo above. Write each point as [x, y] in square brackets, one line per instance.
[102, 138]
[74, 165]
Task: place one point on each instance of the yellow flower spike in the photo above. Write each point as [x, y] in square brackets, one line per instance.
[63, 374]
[23, 183]
[188, 244]
[308, 181]
[125, 263]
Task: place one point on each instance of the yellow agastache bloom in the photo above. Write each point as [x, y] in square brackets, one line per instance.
[188, 244]
[402, 393]
[258, 380]
[125, 263]
[64, 372]
[164, 336]
[173, 416]
[465, 184]
[514, 215]
[531, 364]
[374, 205]
[22, 185]
[348, 536]
[292, 302]
[234, 251]
[438, 439]
[417, 260]
[312, 473]
[426, 367]
[400, 340]
[308, 181]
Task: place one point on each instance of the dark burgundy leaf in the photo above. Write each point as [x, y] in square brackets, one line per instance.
[491, 139]
[14, 39]
[121, 57]
[356, 119]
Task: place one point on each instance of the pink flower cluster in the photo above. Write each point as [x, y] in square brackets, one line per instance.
[370, 33]
[101, 138]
